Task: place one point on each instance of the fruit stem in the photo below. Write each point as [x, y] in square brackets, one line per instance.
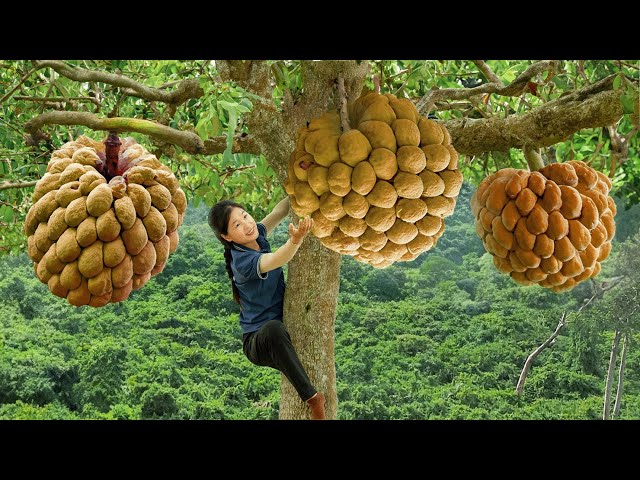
[534, 160]
[342, 105]
[112, 147]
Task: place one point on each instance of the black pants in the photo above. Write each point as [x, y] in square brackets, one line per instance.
[270, 346]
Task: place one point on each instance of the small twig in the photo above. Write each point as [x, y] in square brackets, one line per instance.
[20, 82]
[630, 134]
[11, 126]
[58, 99]
[581, 71]
[452, 106]
[487, 72]
[6, 185]
[342, 94]
[629, 65]
[187, 89]
[402, 87]
[376, 83]
[391, 77]
[598, 147]
[514, 89]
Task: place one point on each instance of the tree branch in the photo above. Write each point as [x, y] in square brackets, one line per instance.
[241, 144]
[58, 99]
[6, 185]
[426, 103]
[623, 355]
[17, 85]
[609, 381]
[189, 141]
[318, 79]
[603, 287]
[344, 115]
[536, 352]
[596, 105]
[187, 89]
[488, 73]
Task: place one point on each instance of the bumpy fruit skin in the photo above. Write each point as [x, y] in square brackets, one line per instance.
[552, 227]
[380, 191]
[93, 239]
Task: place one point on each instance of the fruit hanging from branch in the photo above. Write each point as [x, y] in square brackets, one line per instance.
[379, 191]
[550, 227]
[104, 220]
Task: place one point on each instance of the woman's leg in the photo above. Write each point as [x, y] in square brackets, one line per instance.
[271, 346]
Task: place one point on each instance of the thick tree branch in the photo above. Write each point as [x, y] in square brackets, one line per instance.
[596, 105]
[426, 103]
[252, 75]
[268, 131]
[189, 141]
[241, 144]
[187, 89]
[6, 185]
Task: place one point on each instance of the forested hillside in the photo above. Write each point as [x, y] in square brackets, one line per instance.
[442, 337]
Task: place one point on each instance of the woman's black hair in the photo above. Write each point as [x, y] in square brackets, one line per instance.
[219, 221]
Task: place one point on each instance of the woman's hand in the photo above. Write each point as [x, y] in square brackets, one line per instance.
[304, 227]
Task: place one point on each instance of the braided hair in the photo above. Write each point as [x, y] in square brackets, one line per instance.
[219, 221]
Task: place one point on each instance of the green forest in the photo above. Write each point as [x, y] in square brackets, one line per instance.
[442, 337]
[445, 335]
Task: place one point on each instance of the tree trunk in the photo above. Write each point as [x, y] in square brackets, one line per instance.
[313, 281]
[612, 366]
[313, 278]
[310, 302]
[618, 404]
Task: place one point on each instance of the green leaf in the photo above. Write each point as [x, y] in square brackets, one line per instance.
[233, 106]
[7, 214]
[617, 81]
[560, 81]
[201, 128]
[628, 102]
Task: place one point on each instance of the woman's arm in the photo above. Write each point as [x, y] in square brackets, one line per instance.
[271, 261]
[278, 213]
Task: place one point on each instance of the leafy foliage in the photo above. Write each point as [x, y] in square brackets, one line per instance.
[442, 337]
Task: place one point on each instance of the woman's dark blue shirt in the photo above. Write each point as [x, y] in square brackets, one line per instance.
[261, 294]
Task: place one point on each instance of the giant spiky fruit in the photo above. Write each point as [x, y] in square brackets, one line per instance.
[552, 227]
[102, 225]
[380, 191]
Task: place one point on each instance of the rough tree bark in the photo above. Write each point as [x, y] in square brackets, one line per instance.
[612, 367]
[597, 105]
[618, 404]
